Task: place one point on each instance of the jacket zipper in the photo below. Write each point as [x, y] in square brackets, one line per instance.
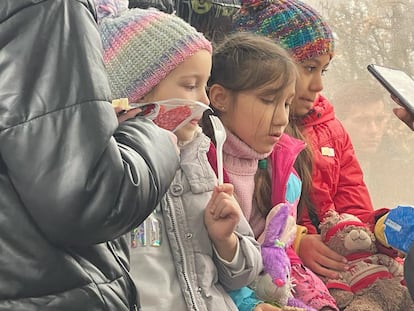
[135, 301]
[181, 251]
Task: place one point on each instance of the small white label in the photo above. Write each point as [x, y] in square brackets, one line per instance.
[328, 151]
[393, 225]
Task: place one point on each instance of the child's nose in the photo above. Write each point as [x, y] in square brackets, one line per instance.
[204, 98]
[280, 116]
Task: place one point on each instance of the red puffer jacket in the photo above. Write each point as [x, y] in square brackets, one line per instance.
[337, 176]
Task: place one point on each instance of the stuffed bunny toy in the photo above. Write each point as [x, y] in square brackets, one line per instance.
[275, 284]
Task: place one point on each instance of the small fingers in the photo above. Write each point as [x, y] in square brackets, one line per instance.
[124, 115]
[333, 259]
[224, 208]
[323, 271]
[119, 110]
[404, 116]
[226, 188]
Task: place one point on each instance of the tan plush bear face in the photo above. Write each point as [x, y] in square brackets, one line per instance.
[346, 234]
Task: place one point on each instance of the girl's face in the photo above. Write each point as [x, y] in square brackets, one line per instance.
[259, 117]
[187, 81]
[309, 83]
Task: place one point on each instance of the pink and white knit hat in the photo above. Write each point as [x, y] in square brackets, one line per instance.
[142, 46]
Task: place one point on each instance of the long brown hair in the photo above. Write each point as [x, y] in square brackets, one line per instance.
[245, 61]
[303, 166]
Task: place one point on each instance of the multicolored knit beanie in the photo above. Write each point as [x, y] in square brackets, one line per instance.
[293, 24]
[142, 46]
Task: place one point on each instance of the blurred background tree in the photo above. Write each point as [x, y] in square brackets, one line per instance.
[367, 31]
[380, 32]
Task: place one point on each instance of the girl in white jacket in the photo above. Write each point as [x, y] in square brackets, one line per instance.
[197, 245]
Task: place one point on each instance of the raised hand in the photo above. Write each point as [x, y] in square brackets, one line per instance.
[221, 217]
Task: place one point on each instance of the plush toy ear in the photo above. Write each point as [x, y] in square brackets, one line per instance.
[275, 225]
[330, 219]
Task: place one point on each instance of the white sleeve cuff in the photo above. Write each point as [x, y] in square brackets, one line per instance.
[237, 265]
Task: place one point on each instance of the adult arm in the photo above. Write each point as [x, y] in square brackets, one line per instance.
[81, 179]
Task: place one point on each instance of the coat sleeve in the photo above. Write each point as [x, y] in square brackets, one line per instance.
[249, 252]
[81, 179]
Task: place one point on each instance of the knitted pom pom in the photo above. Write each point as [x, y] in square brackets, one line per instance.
[109, 8]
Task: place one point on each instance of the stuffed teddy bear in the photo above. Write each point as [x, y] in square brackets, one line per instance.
[373, 280]
[275, 284]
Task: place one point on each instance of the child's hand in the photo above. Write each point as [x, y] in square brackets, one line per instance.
[221, 218]
[266, 307]
[318, 257]
[222, 213]
[124, 115]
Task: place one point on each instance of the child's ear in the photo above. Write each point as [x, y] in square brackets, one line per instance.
[219, 98]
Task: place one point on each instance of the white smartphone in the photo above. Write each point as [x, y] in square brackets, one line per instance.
[397, 82]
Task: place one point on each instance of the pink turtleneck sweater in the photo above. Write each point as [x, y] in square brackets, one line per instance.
[241, 163]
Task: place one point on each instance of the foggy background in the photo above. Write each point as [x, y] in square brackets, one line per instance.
[381, 32]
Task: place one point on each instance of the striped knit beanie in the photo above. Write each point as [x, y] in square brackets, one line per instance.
[293, 24]
[142, 46]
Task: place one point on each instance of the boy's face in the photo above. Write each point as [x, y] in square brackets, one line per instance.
[187, 81]
[366, 125]
[309, 83]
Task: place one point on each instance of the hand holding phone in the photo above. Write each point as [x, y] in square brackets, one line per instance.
[404, 116]
[398, 83]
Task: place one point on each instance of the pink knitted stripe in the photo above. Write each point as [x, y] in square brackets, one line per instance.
[142, 87]
[134, 27]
